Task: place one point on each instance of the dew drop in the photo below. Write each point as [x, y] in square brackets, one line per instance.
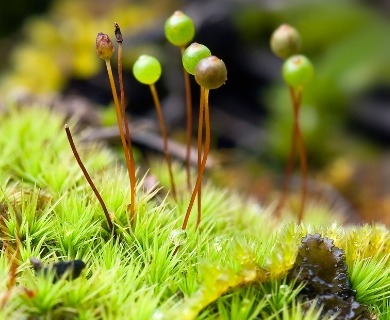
[178, 237]
[249, 275]
[218, 241]
[222, 278]
[158, 315]
[283, 287]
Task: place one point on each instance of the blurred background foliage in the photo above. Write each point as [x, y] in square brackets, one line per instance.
[54, 47]
[47, 48]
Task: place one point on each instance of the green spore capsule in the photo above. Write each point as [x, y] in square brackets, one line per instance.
[193, 54]
[211, 72]
[147, 69]
[104, 46]
[285, 41]
[179, 29]
[297, 71]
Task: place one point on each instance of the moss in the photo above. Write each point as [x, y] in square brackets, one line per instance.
[233, 267]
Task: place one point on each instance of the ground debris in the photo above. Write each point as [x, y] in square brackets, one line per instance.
[320, 265]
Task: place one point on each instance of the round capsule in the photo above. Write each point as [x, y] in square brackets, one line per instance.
[211, 72]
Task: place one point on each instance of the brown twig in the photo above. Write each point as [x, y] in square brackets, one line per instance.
[144, 136]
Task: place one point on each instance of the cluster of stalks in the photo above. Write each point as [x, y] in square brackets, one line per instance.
[297, 72]
[105, 50]
[210, 73]
[147, 70]
[179, 31]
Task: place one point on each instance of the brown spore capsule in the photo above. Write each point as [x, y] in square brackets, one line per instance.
[210, 72]
[104, 46]
[285, 41]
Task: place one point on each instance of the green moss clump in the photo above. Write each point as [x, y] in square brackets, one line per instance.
[233, 267]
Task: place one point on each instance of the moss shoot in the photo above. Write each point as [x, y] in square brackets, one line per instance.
[233, 267]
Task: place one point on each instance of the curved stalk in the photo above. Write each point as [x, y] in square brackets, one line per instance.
[132, 175]
[204, 160]
[189, 122]
[296, 140]
[297, 100]
[200, 135]
[119, 118]
[164, 135]
[87, 176]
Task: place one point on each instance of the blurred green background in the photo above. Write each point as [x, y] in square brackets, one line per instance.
[47, 49]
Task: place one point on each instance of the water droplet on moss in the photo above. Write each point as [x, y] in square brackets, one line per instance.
[158, 315]
[178, 237]
[223, 277]
[249, 274]
[218, 241]
[284, 287]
